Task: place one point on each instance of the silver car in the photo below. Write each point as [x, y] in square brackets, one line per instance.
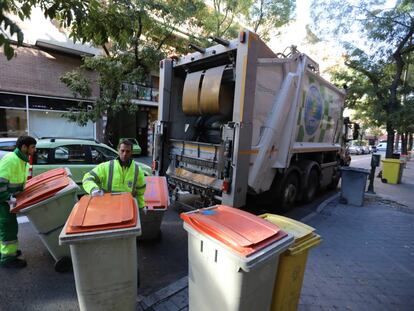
[7, 144]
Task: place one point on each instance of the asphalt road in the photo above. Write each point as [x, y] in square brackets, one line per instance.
[39, 287]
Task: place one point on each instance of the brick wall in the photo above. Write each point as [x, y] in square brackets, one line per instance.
[37, 72]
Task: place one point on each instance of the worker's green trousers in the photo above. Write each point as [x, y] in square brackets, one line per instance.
[8, 234]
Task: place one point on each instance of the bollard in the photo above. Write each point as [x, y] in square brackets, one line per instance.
[375, 162]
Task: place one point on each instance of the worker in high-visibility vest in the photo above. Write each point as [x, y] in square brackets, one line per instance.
[119, 175]
[13, 173]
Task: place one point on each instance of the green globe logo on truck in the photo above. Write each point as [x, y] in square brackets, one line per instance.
[313, 110]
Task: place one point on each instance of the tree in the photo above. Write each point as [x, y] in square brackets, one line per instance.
[387, 35]
[262, 16]
[266, 16]
[67, 11]
[135, 36]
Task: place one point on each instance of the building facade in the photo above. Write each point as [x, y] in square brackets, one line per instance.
[32, 98]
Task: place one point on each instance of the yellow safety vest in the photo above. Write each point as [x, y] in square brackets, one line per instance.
[112, 177]
[13, 173]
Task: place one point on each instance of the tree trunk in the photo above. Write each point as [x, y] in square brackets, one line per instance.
[390, 140]
[404, 137]
[396, 141]
[410, 141]
[110, 132]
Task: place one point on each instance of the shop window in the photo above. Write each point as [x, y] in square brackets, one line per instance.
[13, 122]
[52, 124]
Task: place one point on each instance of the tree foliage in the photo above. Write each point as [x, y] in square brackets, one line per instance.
[135, 35]
[262, 16]
[376, 58]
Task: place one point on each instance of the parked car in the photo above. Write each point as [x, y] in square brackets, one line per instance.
[381, 147]
[136, 148]
[354, 149]
[79, 155]
[7, 144]
[366, 149]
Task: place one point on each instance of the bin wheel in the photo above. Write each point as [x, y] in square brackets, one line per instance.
[64, 264]
[384, 180]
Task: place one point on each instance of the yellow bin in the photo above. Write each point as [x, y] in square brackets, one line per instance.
[391, 171]
[292, 263]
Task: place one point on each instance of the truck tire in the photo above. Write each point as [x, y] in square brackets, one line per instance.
[289, 191]
[334, 183]
[312, 186]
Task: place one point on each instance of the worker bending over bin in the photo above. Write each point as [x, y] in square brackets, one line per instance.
[13, 174]
[119, 175]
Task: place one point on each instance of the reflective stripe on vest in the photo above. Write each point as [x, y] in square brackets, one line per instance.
[8, 248]
[95, 177]
[134, 185]
[111, 175]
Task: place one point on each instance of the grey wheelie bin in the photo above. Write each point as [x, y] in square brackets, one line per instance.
[156, 203]
[232, 259]
[47, 203]
[101, 232]
[354, 180]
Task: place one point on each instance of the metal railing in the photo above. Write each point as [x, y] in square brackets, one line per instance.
[141, 92]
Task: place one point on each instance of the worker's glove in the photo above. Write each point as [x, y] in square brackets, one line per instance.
[97, 193]
[12, 202]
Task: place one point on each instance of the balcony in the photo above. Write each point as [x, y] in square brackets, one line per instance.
[142, 93]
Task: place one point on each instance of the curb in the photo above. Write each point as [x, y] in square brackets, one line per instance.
[164, 293]
[320, 208]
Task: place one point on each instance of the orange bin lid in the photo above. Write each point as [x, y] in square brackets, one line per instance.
[242, 232]
[39, 192]
[57, 172]
[108, 212]
[156, 192]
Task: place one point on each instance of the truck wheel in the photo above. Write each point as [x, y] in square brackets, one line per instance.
[289, 192]
[334, 183]
[312, 186]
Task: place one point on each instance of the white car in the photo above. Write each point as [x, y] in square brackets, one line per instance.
[382, 147]
[7, 144]
[354, 149]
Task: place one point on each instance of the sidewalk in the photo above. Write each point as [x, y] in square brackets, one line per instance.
[366, 261]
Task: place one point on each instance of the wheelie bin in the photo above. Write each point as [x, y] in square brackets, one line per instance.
[392, 170]
[101, 232]
[47, 204]
[51, 174]
[354, 180]
[232, 259]
[156, 203]
[292, 263]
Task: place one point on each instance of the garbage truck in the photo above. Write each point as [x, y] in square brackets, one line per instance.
[238, 121]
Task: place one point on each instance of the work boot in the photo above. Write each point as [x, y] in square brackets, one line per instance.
[15, 263]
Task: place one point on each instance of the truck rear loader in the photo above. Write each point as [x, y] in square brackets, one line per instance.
[237, 120]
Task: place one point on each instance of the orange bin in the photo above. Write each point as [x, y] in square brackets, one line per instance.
[232, 259]
[101, 232]
[52, 174]
[156, 203]
[47, 202]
